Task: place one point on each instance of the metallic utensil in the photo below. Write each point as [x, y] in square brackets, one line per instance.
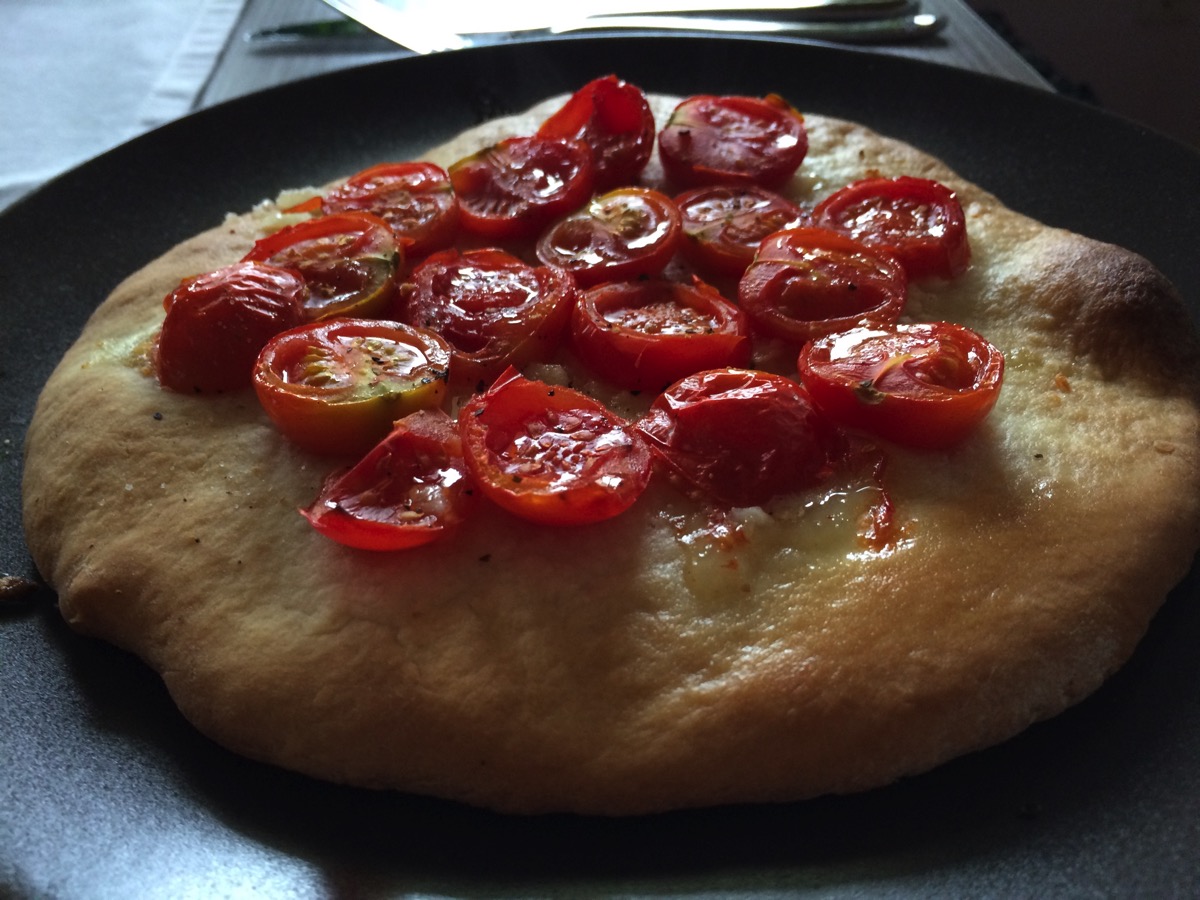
[889, 29]
[847, 21]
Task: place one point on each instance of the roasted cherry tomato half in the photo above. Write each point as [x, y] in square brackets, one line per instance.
[917, 220]
[806, 282]
[742, 140]
[551, 454]
[349, 261]
[515, 188]
[416, 199]
[217, 323]
[739, 436]
[723, 224]
[627, 233]
[336, 387]
[925, 385]
[645, 335]
[494, 309]
[614, 119]
[410, 489]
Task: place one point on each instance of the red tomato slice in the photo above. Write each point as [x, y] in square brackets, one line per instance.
[627, 233]
[312, 206]
[807, 282]
[412, 488]
[336, 387]
[723, 224]
[743, 140]
[645, 335]
[926, 385]
[551, 454]
[917, 220]
[494, 309]
[217, 323]
[515, 188]
[739, 436]
[349, 261]
[416, 199]
[614, 119]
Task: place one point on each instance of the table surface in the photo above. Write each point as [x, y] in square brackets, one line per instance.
[967, 43]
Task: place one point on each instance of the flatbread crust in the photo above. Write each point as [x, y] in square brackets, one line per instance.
[644, 663]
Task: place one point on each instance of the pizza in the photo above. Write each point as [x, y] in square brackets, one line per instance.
[633, 453]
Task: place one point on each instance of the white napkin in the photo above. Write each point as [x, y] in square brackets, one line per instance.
[78, 77]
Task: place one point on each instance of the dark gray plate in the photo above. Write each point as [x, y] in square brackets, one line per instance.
[105, 791]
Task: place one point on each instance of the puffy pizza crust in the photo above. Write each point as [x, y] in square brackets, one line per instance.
[649, 662]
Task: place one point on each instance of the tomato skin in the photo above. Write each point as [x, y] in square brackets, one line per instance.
[627, 233]
[645, 335]
[614, 119]
[926, 385]
[217, 323]
[515, 188]
[494, 309]
[349, 261]
[739, 436]
[551, 454]
[739, 140]
[808, 282]
[335, 387]
[416, 200]
[917, 220]
[723, 224]
[311, 206]
[411, 489]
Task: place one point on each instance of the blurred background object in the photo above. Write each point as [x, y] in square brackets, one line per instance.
[78, 77]
[1137, 58]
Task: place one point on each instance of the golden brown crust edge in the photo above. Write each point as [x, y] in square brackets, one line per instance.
[1122, 312]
